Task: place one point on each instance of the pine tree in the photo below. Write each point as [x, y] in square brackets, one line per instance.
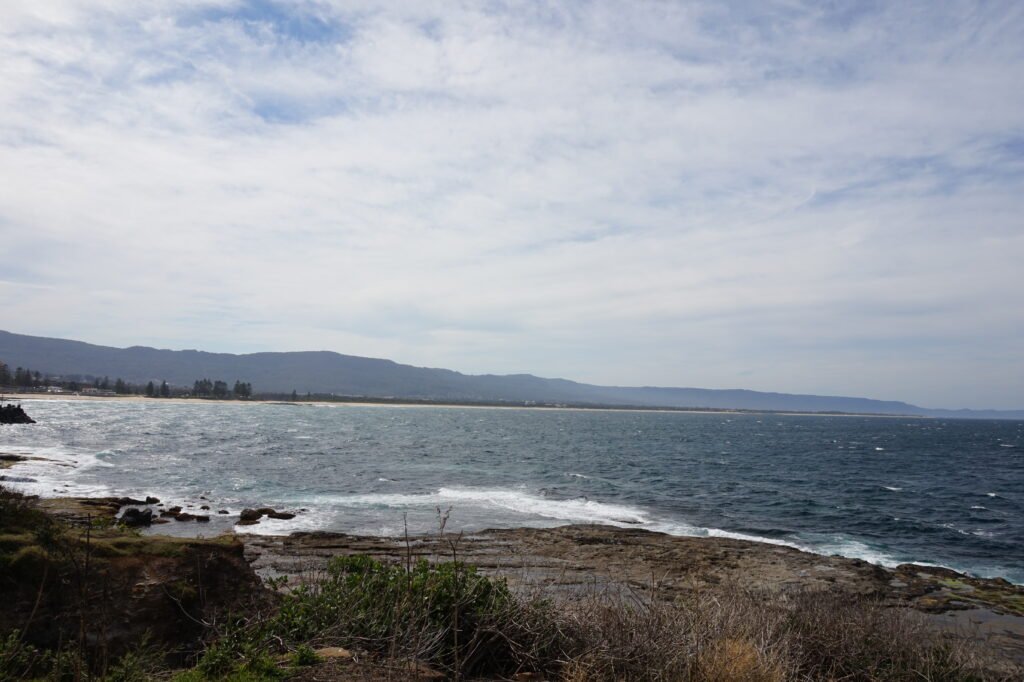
[165, 390]
[150, 390]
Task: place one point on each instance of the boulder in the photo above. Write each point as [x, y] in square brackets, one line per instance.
[250, 515]
[136, 518]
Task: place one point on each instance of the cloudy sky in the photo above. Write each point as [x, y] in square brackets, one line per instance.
[813, 197]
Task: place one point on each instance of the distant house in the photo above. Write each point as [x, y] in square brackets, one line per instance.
[55, 389]
[98, 392]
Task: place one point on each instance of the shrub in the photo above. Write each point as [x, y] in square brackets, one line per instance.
[304, 655]
[440, 613]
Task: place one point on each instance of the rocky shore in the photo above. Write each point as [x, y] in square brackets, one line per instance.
[578, 558]
[567, 562]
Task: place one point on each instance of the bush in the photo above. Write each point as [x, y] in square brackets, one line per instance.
[18, 511]
[444, 614]
[304, 655]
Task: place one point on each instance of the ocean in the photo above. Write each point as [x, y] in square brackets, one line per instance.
[888, 490]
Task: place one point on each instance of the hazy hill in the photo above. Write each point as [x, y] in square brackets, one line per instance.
[329, 372]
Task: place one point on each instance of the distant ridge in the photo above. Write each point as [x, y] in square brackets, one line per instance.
[349, 375]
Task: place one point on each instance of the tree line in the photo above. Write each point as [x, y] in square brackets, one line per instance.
[23, 378]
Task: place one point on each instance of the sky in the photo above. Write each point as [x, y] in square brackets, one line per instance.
[803, 197]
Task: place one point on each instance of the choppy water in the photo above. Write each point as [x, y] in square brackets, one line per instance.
[947, 492]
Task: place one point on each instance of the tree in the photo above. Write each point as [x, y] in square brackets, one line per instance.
[23, 378]
[295, 395]
[6, 379]
[120, 386]
[220, 389]
[242, 390]
[150, 390]
[165, 390]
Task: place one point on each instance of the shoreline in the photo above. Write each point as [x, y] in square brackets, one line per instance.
[567, 567]
[576, 559]
[23, 397]
[224, 522]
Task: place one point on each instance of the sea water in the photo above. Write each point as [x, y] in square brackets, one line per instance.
[888, 490]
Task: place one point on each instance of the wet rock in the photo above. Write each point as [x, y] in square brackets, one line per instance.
[185, 516]
[250, 515]
[129, 500]
[223, 511]
[152, 500]
[4, 457]
[13, 414]
[137, 518]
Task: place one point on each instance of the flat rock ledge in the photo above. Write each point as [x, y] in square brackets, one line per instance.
[576, 558]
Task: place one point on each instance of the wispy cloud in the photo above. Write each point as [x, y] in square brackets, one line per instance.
[782, 196]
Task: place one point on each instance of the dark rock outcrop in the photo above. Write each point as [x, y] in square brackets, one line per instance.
[248, 517]
[137, 518]
[13, 414]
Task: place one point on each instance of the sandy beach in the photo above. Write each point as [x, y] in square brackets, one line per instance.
[21, 397]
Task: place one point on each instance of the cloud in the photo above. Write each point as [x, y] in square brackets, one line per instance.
[782, 196]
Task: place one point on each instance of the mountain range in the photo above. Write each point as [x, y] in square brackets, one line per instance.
[326, 372]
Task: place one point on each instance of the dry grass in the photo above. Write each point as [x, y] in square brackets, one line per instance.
[735, 635]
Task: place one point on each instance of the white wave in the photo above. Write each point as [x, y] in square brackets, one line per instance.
[853, 549]
[55, 471]
[892, 488]
[575, 510]
[386, 480]
[676, 528]
[575, 475]
[313, 519]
